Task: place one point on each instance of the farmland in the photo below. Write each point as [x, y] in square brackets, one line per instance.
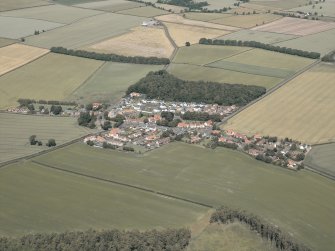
[282, 4]
[205, 16]
[140, 41]
[6, 41]
[18, 4]
[16, 55]
[60, 76]
[326, 8]
[146, 11]
[109, 5]
[15, 130]
[297, 110]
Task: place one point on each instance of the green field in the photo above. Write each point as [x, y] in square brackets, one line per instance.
[15, 130]
[205, 16]
[87, 31]
[110, 5]
[71, 2]
[219, 4]
[20, 4]
[147, 11]
[5, 41]
[322, 158]
[301, 203]
[327, 8]
[282, 4]
[111, 81]
[52, 77]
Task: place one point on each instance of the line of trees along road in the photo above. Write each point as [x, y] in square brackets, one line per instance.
[111, 57]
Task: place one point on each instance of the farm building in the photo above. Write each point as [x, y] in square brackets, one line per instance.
[150, 23]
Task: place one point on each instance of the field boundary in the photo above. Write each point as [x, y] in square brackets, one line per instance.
[174, 53]
[319, 172]
[47, 3]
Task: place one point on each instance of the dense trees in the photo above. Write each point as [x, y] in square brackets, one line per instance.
[301, 53]
[163, 85]
[87, 119]
[200, 116]
[111, 57]
[330, 57]
[33, 141]
[56, 109]
[118, 119]
[108, 240]
[191, 4]
[281, 240]
[51, 142]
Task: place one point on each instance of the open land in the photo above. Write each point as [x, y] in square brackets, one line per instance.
[15, 130]
[205, 16]
[111, 81]
[110, 5]
[16, 55]
[326, 8]
[172, 8]
[76, 35]
[19, 4]
[297, 110]
[147, 11]
[219, 4]
[215, 177]
[6, 41]
[60, 76]
[281, 4]
[140, 41]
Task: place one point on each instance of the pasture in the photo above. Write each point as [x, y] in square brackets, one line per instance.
[172, 8]
[36, 199]
[15, 130]
[322, 158]
[219, 4]
[16, 55]
[23, 27]
[296, 26]
[6, 41]
[20, 4]
[216, 177]
[52, 77]
[109, 5]
[140, 41]
[205, 16]
[76, 35]
[300, 109]
[281, 4]
[146, 11]
[326, 8]
[111, 81]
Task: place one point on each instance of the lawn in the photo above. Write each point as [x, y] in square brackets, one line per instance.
[111, 81]
[109, 5]
[301, 109]
[37, 199]
[15, 130]
[20, 4]
[145, 11]
[301, 203]
[52, 77]
[87, 31]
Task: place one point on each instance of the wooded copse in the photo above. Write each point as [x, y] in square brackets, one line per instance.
[330, 57]
[111, 57]
[172, 239]
[162, 85]
[254, 44]
[280, 239]
[185, 3]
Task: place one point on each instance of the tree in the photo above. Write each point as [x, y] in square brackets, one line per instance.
[51, 142]
[32, 140]
[167, 115]
[106, 125]
[187, 44]
[56, 109]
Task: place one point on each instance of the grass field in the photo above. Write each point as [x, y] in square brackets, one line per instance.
[140, 41]
[15, 130]
[322, 158]
[301, 203]
[87, 31]
[52, 77]
[53, 13]
[16, 55]
[23, 27]
[146, 11]
[6, 41]
[300, 110]
[205, 16]
[219, 4]
[110, 5]
[327, 8]
[111, 81]
[19, 4]
[172, 8]
[282, 4]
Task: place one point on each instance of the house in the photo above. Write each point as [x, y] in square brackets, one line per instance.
[230, 132]
[96, 105]
[135, 94]
[155, 118]
[150, 23]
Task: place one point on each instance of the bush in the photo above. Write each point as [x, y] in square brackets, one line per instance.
[51, 142]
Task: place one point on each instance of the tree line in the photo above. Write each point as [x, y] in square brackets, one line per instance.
[111, 57]
[201, 116]
[107, 240]
[255, 44]
[162, 85]
[280, 239]
[185, 3]
[26, 101]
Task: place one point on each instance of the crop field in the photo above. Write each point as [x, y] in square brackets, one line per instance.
[205, 16]
[216, 177]
[140, 41]
[173, 8]
[15, 130]
[52, 13]
[111, 81]
[300, 109]
[147, 11]
[322, 158]
[181, 33]
[37, 199]
[219, 4]
[326, 8]
[23, 27]
[195, 73]
[52, 77]
[110, 5]
[16, 55]
[296, 26]
[246, 21]
[19, 4]
[259, 36]
[76, 35]
[6, 41]
[281, 4]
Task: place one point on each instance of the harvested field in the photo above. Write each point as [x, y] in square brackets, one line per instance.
[110, 5]
[146, 11]
[181, 33]
[296, 26]
[326, 8]
[53, 13]
[220, 4]
[204, 54]
[140, 41]
[259, 36]
[76, 35]
[174, 18]
[205, 16]
[6, 41]
[23, 27]
[195, 73]
[246, 21]
[111, 81]
[173, 8]
[15, 130]
[52, 77]
[297, 110]
[280, 4]
[16, 55]
[20, 4]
